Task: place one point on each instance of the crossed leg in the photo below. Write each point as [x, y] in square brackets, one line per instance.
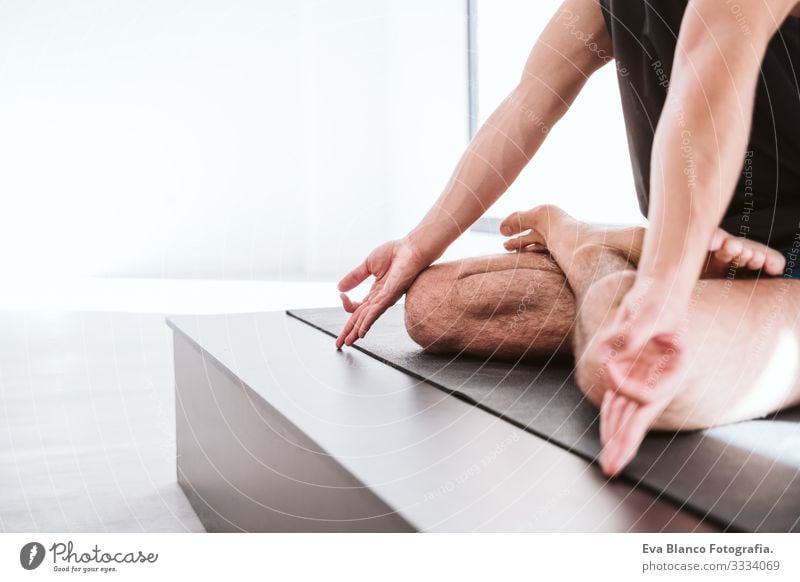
[503, 306]
[742, 340]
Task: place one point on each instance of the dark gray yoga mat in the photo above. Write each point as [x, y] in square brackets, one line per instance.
[744, 476]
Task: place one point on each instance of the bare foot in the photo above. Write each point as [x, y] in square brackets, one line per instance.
[635, 388]
[534, 230]
[625, 418]
[728, 251]
[548, 227]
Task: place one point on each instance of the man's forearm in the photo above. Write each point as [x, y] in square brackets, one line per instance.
[697, 155]
[700, 142]
[573, 45]
[494, 159]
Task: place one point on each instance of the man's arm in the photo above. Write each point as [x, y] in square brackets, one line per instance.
[572, 46]
[702, 135]
[698, 154]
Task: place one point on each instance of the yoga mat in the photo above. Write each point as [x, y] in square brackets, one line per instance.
[744, 476]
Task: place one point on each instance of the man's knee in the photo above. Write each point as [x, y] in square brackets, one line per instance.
[425, 307]
[597, 310]
[501, 306]
[685, 412]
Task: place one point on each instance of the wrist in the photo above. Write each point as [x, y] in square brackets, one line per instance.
[673, 287]
[671, 265]
[422, 251]
[428, 244]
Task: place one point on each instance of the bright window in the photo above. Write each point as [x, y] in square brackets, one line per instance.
[584, 165]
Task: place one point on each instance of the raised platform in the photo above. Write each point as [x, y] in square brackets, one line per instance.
[278, 431]
[744, 476]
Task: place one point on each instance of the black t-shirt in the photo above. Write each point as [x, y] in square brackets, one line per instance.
[766, 203]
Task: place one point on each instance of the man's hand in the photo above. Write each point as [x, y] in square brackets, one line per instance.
[642, 359]
[642, 344]
[394, 265]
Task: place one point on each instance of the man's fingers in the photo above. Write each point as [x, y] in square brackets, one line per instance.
[348, 305]
[363, 315]
[360, 323]
[615, 412]
[512, 224]
[649, 376]
[353, 335]
[381, 301]
[628, 410]
[352, 326]
[623, 383]
[615, 405]
[605, 409]
[354, 277]
[635, 334]
[370, 316]
[623, 446]
[348, 326]
[360, 314]
[610, 412]
[350, 331]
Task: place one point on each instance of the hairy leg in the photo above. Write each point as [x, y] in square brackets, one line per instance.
[728, 256]
[741, 342]
[506, 306]
[742, 338]
[519, 304]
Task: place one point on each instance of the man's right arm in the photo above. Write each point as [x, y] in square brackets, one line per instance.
[574, 44]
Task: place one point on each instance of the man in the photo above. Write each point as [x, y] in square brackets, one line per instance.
[667, 329]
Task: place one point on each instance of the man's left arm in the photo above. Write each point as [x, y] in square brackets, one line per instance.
[698, 154]
[700, 142]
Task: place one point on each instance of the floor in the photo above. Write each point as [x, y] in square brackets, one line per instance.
[87, 432]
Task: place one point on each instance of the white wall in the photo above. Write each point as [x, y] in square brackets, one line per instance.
[246, 138]
[584, 164]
